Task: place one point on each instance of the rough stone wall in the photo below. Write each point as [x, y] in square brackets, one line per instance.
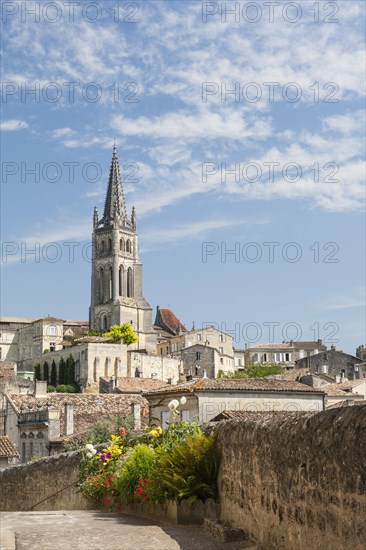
[46, 484]
[296, 480]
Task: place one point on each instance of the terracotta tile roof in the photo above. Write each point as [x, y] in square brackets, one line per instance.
[88, 408]
[346, 403]
[243, 384]
[349, 384]
[140, 385]
[242, 415]
[294, 374]
[286, 345]
[165, 318]
[92, 340]
[7, 448]
[333, 390]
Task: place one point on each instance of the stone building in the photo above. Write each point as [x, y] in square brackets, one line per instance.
[8, 453]
[116, 284]
[202, 361]
[206, 398]
[39, 424]
[333, 363]
[285, 353]
[24, 340]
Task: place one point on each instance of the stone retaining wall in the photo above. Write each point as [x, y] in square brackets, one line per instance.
[296, 481]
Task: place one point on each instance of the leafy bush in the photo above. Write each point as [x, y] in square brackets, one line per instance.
[66, 388]
[51, 389]
[258, 370]
[100, 433]
[136, 474]
[189, 469]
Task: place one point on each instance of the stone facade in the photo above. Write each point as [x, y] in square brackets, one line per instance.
[24, 340]
[206, 398]
[205, 361]
[296, 480]
[285, 353]
[333, 363]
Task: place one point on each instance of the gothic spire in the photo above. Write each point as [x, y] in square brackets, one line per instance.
[114, 207]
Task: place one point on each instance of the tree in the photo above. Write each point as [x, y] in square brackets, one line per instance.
[70, 370]
[53, 374]
[37, 372]
[122, 334]
[258, 370]
[61, 371]
[46, 371]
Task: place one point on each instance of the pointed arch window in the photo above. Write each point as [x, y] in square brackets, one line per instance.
[102, 247]
[101, 285]
[129, 282]
[109, 245]
[105, 322]
[110, 283]
[128, 246]
[120, 279]
[122, 245]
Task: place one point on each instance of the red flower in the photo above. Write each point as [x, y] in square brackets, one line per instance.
[122, 431]
[106, 483]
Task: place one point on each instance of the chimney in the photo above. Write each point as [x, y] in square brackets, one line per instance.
[136, 411]
[40, 389]
[69, 418]
[53, 423]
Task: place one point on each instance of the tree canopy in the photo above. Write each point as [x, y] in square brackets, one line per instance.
[121, 333]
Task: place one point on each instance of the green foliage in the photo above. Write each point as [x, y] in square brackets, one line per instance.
[139, 464]
[189, 469]
[178, 432]
[46, 371]
[53, 374]
[66, 388]
[102, 429]
[258, 370]
[62, 371]
[123, 333]
[51, 389]
[37, 372]
[70, 370]
[93, 332]
[220, 373]
[46, 351]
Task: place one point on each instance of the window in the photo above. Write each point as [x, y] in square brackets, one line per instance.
[198, 355]
[239, 362]
[221, 361]
[128, 246]
[264, 358]
[121, 245]
[199, 337]
[52, 346]
[52, 330]
[185, 416]
[161, 351]
[221, 337]
[287, 356]
[221, 350]
[1, 353]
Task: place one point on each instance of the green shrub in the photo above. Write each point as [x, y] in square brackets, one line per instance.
[61, 388]
[137, 470]
[51, 389]
[189, 469]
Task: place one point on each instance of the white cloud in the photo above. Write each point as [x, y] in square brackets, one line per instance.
[195, 230]
[346, 124]
[13, 125]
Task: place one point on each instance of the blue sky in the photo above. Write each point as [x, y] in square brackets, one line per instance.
[159, 86]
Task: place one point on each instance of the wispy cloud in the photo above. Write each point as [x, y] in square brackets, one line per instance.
[13, 125]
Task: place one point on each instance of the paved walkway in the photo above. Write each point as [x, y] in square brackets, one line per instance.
[95, 530]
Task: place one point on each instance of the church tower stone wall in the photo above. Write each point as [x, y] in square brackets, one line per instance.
[116, 286]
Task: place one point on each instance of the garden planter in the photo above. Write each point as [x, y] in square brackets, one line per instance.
[172, 511]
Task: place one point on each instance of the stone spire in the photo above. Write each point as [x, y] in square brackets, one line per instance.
[114, 207]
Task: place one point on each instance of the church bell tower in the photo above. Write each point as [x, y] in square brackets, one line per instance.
[116, 286]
